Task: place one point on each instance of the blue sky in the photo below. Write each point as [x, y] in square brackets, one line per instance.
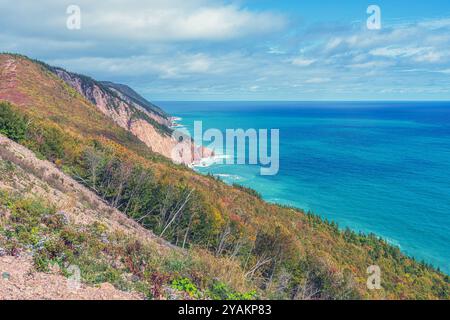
[329, 10]
[243, 49]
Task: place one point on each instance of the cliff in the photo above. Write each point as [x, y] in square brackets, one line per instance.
[119, 102]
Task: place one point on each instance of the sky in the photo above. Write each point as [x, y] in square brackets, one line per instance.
[243, 49]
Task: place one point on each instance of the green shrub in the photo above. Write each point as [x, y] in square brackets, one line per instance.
[185, 285]
[47, 141]
[220, 291]
[12, 125]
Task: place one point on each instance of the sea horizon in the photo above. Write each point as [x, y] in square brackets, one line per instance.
[361, 173]
[162, 101]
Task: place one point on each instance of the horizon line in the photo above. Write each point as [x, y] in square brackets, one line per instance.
[243, 100]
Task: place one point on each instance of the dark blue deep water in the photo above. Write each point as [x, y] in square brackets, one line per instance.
[373, 167]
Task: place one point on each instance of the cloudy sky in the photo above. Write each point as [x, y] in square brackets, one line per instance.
[243, 49]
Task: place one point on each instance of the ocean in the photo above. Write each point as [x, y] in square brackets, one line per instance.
[375, 167]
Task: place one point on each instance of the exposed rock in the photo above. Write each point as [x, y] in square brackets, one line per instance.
[120, 103]
[133, 113]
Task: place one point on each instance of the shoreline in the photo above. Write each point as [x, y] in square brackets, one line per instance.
[200, 154]
[279, 202]
[207, 165]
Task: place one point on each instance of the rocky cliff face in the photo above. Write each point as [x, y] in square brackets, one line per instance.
[118, 102]
[132, 112]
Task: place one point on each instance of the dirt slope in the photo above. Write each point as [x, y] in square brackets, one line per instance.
[20, 281]
[38, 178]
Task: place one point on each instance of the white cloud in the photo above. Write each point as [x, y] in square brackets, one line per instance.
[204, 23]
[186, 48]
[430, 57]
[150, 20]
[397, 52]
[302, 62]
[333, 43]
[199, 64]
[317, 80]
[275, 50]
[181, 65]
[418, 54]
[435, 23]
[372, 65]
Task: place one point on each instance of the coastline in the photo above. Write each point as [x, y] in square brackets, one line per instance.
[200, 155]
[231, 179]
[325, 198]
[174, 122]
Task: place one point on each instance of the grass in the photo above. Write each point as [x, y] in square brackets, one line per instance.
[100, 254]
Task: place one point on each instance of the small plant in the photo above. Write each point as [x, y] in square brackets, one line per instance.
[185, 285]
[220, 291]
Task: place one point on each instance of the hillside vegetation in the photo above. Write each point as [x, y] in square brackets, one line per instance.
[49, 224]
[279, 252]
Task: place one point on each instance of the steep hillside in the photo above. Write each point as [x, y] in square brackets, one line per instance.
[134, 97]
[130, 111]
[282, 252]
[49, 222]
[118, 102]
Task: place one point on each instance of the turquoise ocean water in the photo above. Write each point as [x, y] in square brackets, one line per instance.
[373, 167]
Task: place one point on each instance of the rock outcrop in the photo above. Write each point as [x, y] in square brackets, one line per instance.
[134, 113]
[123, 105]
